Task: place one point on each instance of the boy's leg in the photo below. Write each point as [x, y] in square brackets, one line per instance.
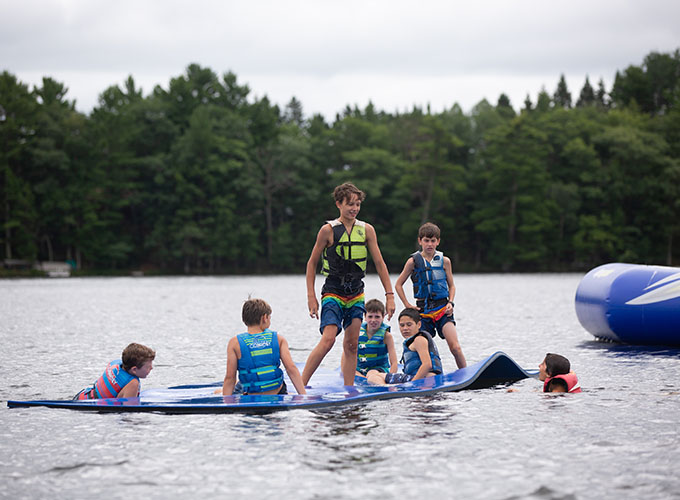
[428, 325]
[319, 352]
[374, 377]
[349, 347]
[451, 337]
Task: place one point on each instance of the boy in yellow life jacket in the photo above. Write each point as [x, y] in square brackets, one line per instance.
[344, 244]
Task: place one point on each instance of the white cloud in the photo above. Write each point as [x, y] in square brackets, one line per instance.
[332, 53]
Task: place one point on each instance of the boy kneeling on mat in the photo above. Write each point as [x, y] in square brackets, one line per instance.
[257, 355]
[420, 358]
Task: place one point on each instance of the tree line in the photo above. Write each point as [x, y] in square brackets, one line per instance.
[199, 177]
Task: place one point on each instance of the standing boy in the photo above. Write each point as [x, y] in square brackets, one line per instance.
[257, 355]
[376, 345]
[433, 289]
[343, 242]
[420, 357]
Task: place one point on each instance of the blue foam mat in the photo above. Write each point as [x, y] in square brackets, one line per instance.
[327, 390]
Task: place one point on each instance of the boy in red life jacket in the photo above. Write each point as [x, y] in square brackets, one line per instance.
[556, 375]
[121, 377]
[256, 355]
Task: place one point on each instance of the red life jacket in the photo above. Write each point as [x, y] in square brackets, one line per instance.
[569, 378]
[109, 384]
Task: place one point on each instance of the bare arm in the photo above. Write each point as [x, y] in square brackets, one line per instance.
[131, 389]
[233, 353]
[449, 281]
[323, 240]
[391, 352]
[289, 365]
[381, 268]
[399, 285]
[421, 347]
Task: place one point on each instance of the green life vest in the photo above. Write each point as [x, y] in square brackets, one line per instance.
[346, 257]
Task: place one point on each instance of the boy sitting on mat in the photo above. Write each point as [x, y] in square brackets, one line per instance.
[420, 358]
[257, 355]
[375, 350]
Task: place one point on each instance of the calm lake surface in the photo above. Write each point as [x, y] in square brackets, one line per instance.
[620, 438]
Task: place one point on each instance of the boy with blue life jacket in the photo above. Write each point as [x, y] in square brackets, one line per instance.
[344, 244]
[556, 375]
[420, 355]
[257, 356]
[121, 377]
[433, 289]
[375, 345]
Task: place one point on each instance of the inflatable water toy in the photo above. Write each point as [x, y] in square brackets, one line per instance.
[630, 303]
[327, 391]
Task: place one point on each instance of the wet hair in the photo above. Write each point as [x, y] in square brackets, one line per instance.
[556, 365]
[345, 191]
[375, 306]
[557, 382]
[412, 313]
[429, 230]
[136, 355]
[253, 310]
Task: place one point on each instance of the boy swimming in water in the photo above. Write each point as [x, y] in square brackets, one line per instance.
[556, 375]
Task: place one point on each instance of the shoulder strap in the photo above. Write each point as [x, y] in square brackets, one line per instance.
[418, 260]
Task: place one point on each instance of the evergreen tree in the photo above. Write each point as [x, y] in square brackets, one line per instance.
[504, 107]
[293, 113]
[601, 96]
[587, 95]
[543, 101]
[562, 96]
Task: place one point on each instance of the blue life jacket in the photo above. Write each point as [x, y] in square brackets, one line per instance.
[429, 278]
[411, 359]
[258, 368]
[372, 353]
[109, 384]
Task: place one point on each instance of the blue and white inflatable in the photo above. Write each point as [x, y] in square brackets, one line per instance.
[631, 303]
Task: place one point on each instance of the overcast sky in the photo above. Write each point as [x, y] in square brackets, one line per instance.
[331, 53]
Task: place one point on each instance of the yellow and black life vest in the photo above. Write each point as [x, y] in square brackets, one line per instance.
[346, 257]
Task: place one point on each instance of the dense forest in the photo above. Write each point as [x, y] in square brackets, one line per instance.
[200, 177]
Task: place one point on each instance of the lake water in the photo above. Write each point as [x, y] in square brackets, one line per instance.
[618, 439]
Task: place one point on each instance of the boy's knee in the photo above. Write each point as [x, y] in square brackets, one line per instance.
[328, 338]
[349, 346]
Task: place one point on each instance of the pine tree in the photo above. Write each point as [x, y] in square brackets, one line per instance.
[562, 96]
[587, 95]
[504, 107]
[601, 95]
